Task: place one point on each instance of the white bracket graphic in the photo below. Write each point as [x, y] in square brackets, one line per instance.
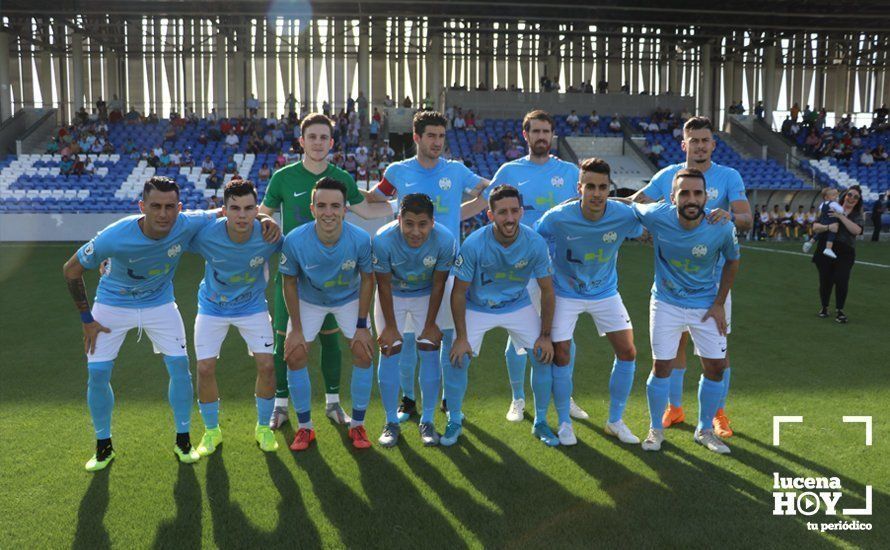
[777, 424]
[863, 420]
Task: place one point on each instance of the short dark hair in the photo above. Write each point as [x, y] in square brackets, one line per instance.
[159, 183]
[503, 192]
[422, 119]
[698, 123]
[329, 183]
[537, 114]
[417, 203]
[596, 165]
[316, 118]
[238, 187]
[689, 173]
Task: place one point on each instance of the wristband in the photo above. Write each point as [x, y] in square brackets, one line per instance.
[86, 317]
[361, 323]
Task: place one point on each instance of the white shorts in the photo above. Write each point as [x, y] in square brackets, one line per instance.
[162, 324]
[312, 317]
[534, 293]
[668, 322]
[411, 310]
[444, 318]
[523, 326]
[211, 330]
[728, 307]
[609, 315]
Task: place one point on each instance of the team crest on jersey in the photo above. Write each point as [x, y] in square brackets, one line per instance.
[445, 184]
[459, 261]
[712, 193]
[174, 250]
[429, 261]
[403, 284]
[520, 264]
[282, 260]
[348, 265]
[256, 261]
[699, 250]
[557, 181]
[610, 237]
[89, 249]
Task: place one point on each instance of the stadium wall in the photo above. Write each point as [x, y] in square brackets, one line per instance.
[516, 104]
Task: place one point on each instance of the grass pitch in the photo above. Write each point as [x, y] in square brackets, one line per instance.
[498, 487]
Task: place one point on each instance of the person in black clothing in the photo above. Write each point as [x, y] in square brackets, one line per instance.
[835, 273]
[876, 211]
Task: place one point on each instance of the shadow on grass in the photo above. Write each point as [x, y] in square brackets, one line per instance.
[184, 531]
[91, 532]
[231, 526]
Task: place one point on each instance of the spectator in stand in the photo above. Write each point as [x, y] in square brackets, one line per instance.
[77, 168]
[657, 150]
[615, 124]
[253, 106]
[88, 166]
[212, 202]
[133, 116]
[795, 111]
[361, 155]
[479, 145]
[759, 111]
[406, 103]
[164, 159]
[53, 146]
[232, 140]
[573, 121]
[264, 173]
[213, 180]
[187, 159]
[813, 142]
[280, 160]
[208, 165]
[231, 165]
[459, 122]
[879, 153]
[152, 118]
[470, 120]
[374, 129]
[493, 146]
[350, 165]
[866, 158]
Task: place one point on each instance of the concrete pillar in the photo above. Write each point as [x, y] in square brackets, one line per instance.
[188, 67]
[770, 88]
[238, 86]
[613, 61]
[271, 71]
[364, 60]
[5, 84]
[219, 75]
[434, 70]
[705, 88]
[378, 61]
[76, 71]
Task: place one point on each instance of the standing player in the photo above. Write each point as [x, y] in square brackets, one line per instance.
[326, 266]
[585, 236]
[233, 293]
[290, 191]
[491, 276]
[136, 291]
[689, 295]
[412, 258]
[445, 182]
[726, 192]
[543, 182]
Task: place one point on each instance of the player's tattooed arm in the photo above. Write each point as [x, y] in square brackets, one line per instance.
[741, 211]
[73, 272]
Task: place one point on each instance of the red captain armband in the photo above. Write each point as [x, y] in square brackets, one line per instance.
[386, 187]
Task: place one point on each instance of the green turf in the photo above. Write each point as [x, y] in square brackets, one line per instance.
[498, 487]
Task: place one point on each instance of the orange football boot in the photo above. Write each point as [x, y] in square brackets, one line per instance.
[721, 425]
[304, 437]
[359, 437]
[673, 415]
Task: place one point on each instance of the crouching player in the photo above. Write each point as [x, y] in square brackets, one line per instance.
[326, 265]
[491, 274]
[412, 259]
[686, 296]
[586, 235]
[233, 293]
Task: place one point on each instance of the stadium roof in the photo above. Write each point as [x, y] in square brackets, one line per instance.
[797, 15]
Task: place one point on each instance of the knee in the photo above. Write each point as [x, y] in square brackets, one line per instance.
[206, 368]
[562, 353]
[627, 352]
[713, 368]
[427, 347]
[297, 360]
[662, 368]
[265, 366]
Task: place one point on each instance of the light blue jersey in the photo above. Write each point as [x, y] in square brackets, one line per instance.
[235, 274]
[412, 268]
[724, 185]
[585, 253]
[687, 262]
[327, 275]
[498, 275]
[140, 273]
[542, 186]
[445, 184]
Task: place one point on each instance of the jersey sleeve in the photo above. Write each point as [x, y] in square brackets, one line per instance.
[655, 189]
[465, 264]
[287, 263]
[499, 177]
[633, 227]
[446, 254]
[380, 256]
[544, 225]
[273, 197]
[353, 195]
[365, 265]
[92, 253]
[199, 219]
[645, 213]
[542, 266]
[468, 179]
[735, 189]
[730, 245]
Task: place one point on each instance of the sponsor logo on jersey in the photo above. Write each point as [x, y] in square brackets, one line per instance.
[713, 193]
[282, 260]
[520, 264]
[89, 249]
[256, 261]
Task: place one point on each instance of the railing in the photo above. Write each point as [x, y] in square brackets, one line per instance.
[31, 135]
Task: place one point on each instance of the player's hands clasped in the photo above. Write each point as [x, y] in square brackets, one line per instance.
[90, 334]
[544, 349]
[432, 334]
[460, 348]
[718, 313]
[294, 342]
[388, 339]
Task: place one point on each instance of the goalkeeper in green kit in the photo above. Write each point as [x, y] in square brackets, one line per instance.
[290, 191]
